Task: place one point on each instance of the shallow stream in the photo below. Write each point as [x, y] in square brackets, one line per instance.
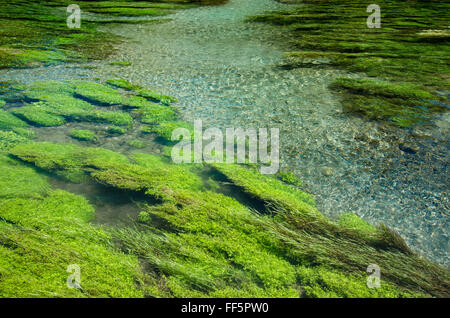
[229, 73]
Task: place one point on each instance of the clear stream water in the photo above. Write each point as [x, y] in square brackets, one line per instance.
[228, 73]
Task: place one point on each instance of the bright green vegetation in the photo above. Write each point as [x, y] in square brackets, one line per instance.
[83, 135]
[37, 115]
[59, 102]
[43, 231]
[137, 102]
[2, 103]
[121, 83]
[9, 121]
[9, 139]
[53, 103]
[51, 156]
[126, 11]
[290, 178]
[386, 89]
[156, 114]
[262, 239]
[219, 230]
[116, 130]
[136, 143]
[152, 95]
[352, 221]
[275, 194]
[408, 57]
[25, 132]
[46, 89]
[19, 181]
[121, 63]
[152, 174]
[402, 103]
[139, 90]
[116, 118]
[268, 241]
[33, 34]
[97, 93]
[165, 129]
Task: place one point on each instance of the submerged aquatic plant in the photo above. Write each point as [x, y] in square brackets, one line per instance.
[43, 231]
[83, 135]
[407, 61]
[200, 242]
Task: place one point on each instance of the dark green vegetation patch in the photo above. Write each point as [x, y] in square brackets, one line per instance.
[407, 58]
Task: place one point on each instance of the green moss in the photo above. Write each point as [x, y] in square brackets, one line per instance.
[83, 134]
[134, 101]
[150, 174]
[17, 180]
[38, 89]
[9, 121]
[61, 104]
[165, 129]
[116, 118]
[215, 247]
[400, 111]
[382, 88]
[269, 190]
[324, 283]
[144, 217]
[24, 132]
[115, 130]
[66, 161]
[214, 254]
[9, 139]
[290, 178]
[118, 11]
[36, 114]
[97, 93]
[136, 143]
[154, 96]
[172, 4]
[207, 244]
[26, 57]
[121, 63]
[121, 83]
[137, 102]
[65, 105]
[2, 103]
[43, 232]
[155, 113]
[352, 221]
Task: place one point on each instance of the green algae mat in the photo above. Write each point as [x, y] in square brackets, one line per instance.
[192, 238]
[192, 235]
[404, 64]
